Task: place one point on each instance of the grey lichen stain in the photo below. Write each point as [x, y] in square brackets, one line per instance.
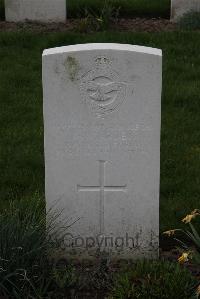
[72, 66]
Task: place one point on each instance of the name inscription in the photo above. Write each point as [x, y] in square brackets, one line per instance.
[89, 140]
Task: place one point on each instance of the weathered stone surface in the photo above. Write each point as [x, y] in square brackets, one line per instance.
[35, 10]
[180, 7]
[102, 146]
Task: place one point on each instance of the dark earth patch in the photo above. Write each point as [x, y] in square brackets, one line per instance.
[134, 25]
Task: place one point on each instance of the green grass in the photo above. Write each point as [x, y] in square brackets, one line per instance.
[128, 8]
[23, 248]
[27, 269]
[21, 122]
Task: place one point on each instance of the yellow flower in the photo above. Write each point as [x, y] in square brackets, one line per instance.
[191, 216]
[183, 258]
[196, 212]
[188, 218]
[170, 233]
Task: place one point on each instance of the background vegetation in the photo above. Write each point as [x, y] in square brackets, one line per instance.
[190, 21]
[2, 13]
[128, 8]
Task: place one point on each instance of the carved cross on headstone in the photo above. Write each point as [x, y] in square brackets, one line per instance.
[102, 188]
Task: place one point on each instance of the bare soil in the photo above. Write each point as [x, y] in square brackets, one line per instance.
[134, 25]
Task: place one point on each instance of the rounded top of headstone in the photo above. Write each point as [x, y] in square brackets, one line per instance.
[103, 46]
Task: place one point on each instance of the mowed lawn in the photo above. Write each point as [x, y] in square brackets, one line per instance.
[127, 8]
[21, 120]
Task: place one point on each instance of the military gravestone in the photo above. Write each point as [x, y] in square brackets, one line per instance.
[35, 10]
[102, 146]
[180, 7]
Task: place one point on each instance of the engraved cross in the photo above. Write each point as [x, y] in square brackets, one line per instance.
[102, 188]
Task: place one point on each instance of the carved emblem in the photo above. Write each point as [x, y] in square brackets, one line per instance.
[101, 88]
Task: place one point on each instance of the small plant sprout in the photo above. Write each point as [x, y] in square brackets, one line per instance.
[193, 252]
[191, 234]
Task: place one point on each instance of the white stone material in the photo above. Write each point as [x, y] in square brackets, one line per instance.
[35, 10]
[102, 113]
[180, 7]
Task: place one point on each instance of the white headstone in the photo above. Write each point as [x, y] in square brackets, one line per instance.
[180, 7]
[102, 146]
[35, 10]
